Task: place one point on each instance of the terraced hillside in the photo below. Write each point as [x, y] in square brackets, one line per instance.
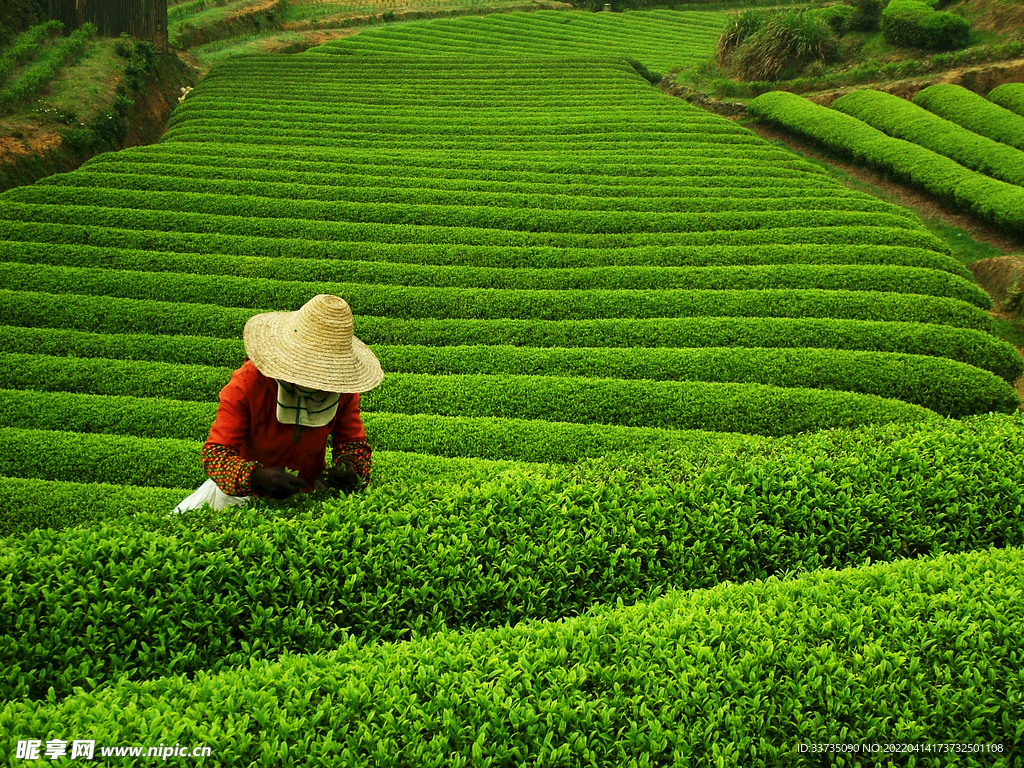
[629, 348]
[659, 39]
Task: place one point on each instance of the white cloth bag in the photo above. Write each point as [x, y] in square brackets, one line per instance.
[209, 493]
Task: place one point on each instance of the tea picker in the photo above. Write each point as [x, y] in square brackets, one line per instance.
[299, 385]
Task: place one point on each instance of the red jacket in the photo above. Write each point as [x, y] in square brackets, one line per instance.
[246, 432]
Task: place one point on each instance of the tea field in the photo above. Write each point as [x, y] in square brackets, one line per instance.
[950, 142]
[685, 453]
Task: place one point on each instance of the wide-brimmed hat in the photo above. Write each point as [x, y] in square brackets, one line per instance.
[312, 347]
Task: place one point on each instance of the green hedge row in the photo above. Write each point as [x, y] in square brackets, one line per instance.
[376, 101]
[607, 164]
[995, 201]
[746, 228]
[916, 24]
[762, 201]
[549, 167]
[833, 245]
[27, 503]
[139, 599]
[670, 117]
[93, 458]
[740, 674]
[164, 462]
[412, 124]
[973, 112]
[726, 213]
[846, 277]
[494, 303]
[1009, 96]
[388, 77]
[372, 179]
[545, 168]
[30, 503]
[722, 407]
[697, 138]
[38, 323]
[566, 67]
[905, 120]
[470, 437]
[625, 144]
[947, 387]
[414, 169]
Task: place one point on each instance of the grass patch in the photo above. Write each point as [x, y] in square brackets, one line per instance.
[87, 88]
[1011, 331]
[963, 247]
[210, 14]
[213, 53]
[320, 11]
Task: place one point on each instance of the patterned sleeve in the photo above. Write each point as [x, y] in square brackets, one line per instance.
[357, 453]
[229, 471]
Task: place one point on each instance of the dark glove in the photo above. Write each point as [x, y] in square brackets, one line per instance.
[275, 482]
[342, 477]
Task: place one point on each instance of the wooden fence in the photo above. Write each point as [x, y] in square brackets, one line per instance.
[144, 19]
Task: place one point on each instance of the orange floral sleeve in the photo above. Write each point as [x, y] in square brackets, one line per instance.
[357, 453]
[228, 470]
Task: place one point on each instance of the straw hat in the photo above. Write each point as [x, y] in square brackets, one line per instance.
[312, 347]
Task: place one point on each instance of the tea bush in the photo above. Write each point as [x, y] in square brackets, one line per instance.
[160, 597]
[905, 120]
[738, 672]
[995, 201]
[1009, 96]
[560, 268]
[973, 112]
[916, 24]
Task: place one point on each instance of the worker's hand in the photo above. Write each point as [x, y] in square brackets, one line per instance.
[275, 482]
[342, 477]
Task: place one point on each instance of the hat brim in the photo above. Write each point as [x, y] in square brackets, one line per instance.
[276, 351]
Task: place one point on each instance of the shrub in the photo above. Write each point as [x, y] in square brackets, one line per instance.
[736, 32]
[945, 31]
[1009, 96]
[784, 46]
[914, 24]
[973, 112]
[866, 16]
[838, 17]
[903, 119]
[996, 201]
